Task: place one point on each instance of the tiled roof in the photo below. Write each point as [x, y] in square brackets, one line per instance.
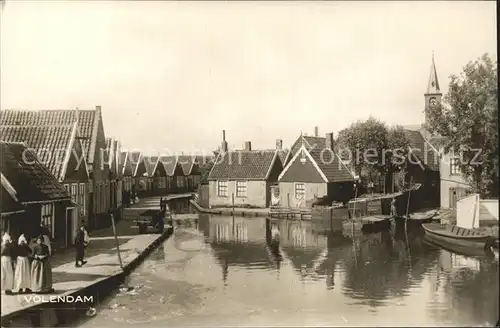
[241, 164]
[309, 143]
[86, 120]
[169, 163]
[8, 204]
[328, 162]
[186, 162]
[150, 164]
[423, 150]
[50, 142]
[134, 158]
[31, 179]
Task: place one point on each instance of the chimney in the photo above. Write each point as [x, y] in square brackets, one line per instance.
[223, 147]
[279, 144]
[329, 140]
[98, 108]
[248, 145]
[316, 131]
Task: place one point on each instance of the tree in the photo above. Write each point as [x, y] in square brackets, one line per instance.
[207, 165]
[373, 149]
[468, 118]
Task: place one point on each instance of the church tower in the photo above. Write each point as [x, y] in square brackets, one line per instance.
[433, 95]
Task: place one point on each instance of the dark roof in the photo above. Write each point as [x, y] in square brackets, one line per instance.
[309, 143]
[86, 122]
[423, 150]
[241, 164]
[186, 161]
[50, 142]
[8, 203]
[283, 153]
[150, 164]
[134, 159]
[169, 163]
[31, 179]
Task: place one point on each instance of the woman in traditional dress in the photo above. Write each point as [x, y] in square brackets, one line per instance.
[45, 233]
[7, 253]
[22, 274]
[41, 270]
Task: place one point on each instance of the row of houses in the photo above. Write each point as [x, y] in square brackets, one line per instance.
[312, 170]
[58, 167]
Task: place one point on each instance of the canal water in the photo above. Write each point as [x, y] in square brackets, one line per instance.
[224, 271]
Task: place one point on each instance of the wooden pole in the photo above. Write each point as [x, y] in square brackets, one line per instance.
[117, 243]
[476, 201]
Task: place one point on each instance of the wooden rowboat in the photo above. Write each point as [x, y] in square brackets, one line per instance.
[456, 238]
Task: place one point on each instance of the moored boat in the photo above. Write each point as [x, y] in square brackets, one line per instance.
[460, 239]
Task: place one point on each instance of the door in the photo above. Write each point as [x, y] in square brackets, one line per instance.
[90, 211]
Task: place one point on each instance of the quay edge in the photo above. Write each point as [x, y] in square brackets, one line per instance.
[45, 315]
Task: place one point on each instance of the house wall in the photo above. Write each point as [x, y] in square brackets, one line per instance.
[76, 174]
[312, 189]
[468, 212]
[256, 195]
[473, 212]
[100, 173]
[450, 182]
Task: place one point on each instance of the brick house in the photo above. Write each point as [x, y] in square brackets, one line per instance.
[247, 175]
[175, 174]
[314, 171]
[91, 133]
[50, 180]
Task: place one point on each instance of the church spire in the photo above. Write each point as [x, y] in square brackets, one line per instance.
[433, 86]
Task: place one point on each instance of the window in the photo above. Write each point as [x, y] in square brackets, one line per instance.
[48, 217]
[74, 192]
[222, 188]
[180, 182]
[241, 188]
[82, 195]
[454, 168]
[300, 190]
[68, 188]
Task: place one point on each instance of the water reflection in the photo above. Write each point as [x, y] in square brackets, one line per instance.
[277, 272]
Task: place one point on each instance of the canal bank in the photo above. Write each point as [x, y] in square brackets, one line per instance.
[92, 283]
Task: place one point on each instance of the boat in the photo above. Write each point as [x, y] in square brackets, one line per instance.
[468, 252]
[456, 238]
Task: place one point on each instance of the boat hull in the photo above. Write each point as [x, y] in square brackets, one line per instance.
[458, 243]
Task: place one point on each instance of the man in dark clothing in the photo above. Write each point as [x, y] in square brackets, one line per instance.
[80, 246]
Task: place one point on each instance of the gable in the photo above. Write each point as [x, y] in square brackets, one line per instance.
[275, 170]
[159, 170]
[76, 171]
[178, 171]
[98, 161]
[141, 169]
[298, 172]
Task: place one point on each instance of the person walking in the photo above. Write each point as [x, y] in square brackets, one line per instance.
[41, 270]
[7, 284]
[80, 247]
[22, 273]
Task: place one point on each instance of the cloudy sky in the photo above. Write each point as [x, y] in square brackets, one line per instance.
[174, 74]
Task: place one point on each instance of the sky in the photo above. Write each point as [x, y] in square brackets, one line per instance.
[173, 75]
